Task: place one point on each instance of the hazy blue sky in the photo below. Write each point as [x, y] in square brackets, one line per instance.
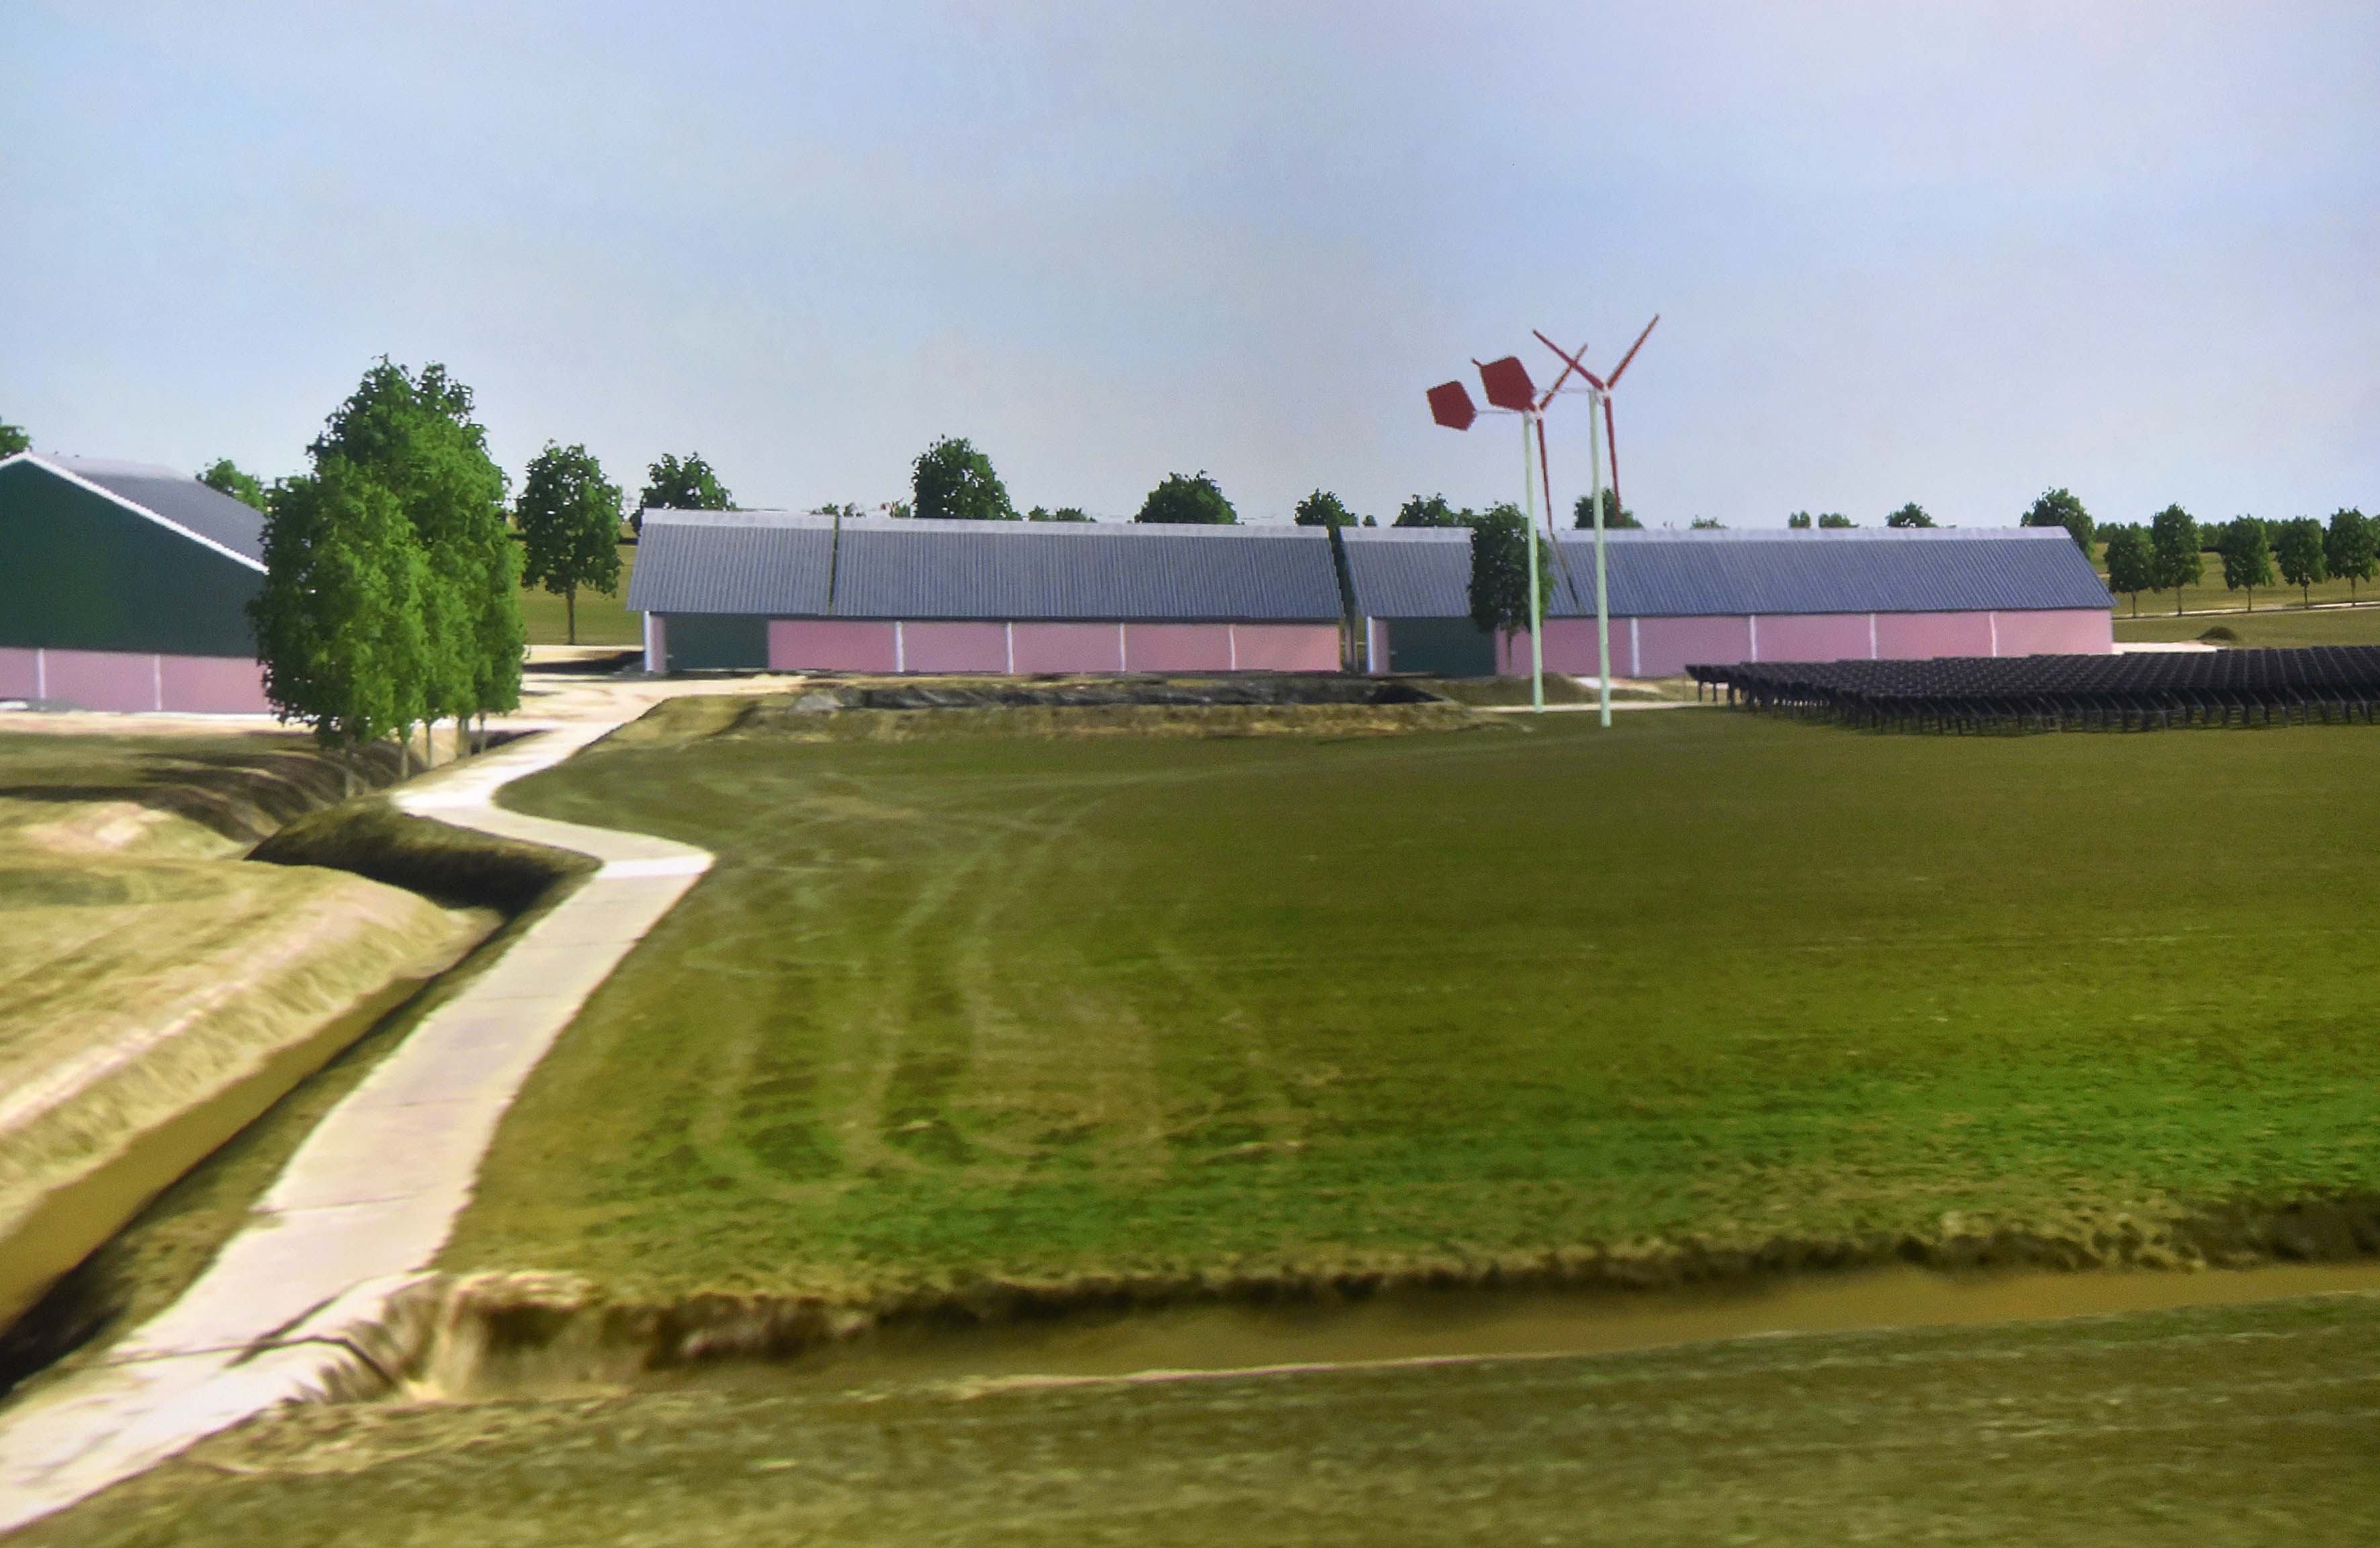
[1947, 253]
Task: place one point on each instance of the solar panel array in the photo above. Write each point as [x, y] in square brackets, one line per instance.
[2142, 692]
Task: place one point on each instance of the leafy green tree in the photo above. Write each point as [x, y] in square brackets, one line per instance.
[2174, 558]
[13, 440]
[676, 483]
[1430, 511]
[1324, 508]
[1706, 524]
[1062, 513]
[1834, 520]
[2247, 558]
[1187, 501]
[953, 481]
[2059, 508]
[338, 619]
[569, 520]
[416, 437]
[2132, 564]
[1799, 521]
[2300, 552]
[227, 478]
[1500, 570]
[1911, 514]
[1615, 516]
[2352, 548]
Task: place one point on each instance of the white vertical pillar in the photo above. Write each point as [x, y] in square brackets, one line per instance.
[656, 657]
[1602, 590]
[1635, 650]
[1008, 637]
[1993, 620]
[900, 648]
[157, 682]
[1754, 620]
[1123, 651]
[41, 673]
[1872, 653]
[1232, 643]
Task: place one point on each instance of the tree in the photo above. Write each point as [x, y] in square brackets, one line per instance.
[1911, 514]
[1430, 511]
[1614, 514]
[13, 440]
[1187, 501]
[1834, 520]
[677, 483]
[2300, 552]
[2131, 564]
[2352, 548]
[569, 521]
[953, 481]
[338, 619]
[2247, 558]
[227, 478]
[1706, 524]
[1500, 570]
[2174, 558]
[1324, 508]
[415, 436]
[2059, 508]
[1064, 513]
[1799, 521]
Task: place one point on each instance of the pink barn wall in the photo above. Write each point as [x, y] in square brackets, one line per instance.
[103, 679]
[1069, 647]
[1177, 647]
[21, 674]
[1815, 637]
[213, 685]
[822, 645]
[1913, 636]
[1665, 646]
[1285, 646]
[954, 646]
[2063, 632]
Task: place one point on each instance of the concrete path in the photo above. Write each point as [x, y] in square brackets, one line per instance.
[366, 1203]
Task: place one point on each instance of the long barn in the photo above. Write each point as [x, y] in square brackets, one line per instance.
[770, 589]
[125, 587]
[1678, 599]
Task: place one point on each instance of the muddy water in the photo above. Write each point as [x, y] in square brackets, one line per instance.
[1443, 1325]
[73, 1221]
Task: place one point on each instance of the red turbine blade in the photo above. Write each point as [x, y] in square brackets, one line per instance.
[1611, 439]
[1449, 405]
[1633, 349]
[1508, 384]
[1570, 363]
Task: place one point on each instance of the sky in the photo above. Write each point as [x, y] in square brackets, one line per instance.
[1943, 252]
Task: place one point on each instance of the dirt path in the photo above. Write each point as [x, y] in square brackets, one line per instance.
[364, 1205]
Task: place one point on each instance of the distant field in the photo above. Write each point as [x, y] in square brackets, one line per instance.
[2239, 1425]
[601, 620]
[1040, 1010]
[2270, 630]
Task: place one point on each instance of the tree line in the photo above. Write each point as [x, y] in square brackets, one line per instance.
[2169, 553]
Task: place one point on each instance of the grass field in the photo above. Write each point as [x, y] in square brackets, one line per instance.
[601, 620]
[2262, 629]
[948, 1011]
[2238, 1425]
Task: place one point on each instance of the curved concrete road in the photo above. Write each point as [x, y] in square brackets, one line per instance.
[367, 1199]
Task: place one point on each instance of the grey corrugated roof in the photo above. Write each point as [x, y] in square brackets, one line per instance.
[176, 498]
[1409, 571]
[777, 562]
[1673, 574]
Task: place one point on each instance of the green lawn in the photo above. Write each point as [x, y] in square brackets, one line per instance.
[2279, 628]
[2236, 1425]
[1035, 1009]
[601, 620]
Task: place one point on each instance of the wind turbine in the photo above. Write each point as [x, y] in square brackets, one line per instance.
[1599, 389]
[1508, 389]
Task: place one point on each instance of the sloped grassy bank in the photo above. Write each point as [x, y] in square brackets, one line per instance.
[461, 886]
